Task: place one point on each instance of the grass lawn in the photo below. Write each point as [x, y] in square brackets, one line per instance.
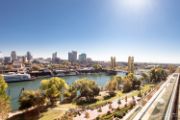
[56, 112]
[145, 88]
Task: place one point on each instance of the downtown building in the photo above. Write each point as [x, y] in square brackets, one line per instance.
[113, 62]
[55, 59]
[83, 58]
[131, 64]
[13, 56]
[72, 56]
[1, 58]
[29, 57]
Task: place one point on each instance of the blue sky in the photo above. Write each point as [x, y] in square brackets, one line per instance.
[145, 29]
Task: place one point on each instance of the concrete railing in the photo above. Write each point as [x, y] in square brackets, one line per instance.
[172, 103]
[150, 103]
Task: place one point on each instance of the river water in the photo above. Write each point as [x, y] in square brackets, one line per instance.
[14, 89]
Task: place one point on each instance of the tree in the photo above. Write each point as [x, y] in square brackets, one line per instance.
[157, 74]
[53, 88]
[127, 85]
[31, 98]
[171, 68]
[97, 67]
[114, 83]
[86, 88]
[145, 77]
[69, 95]
[4, 100]
[130, 82]
[36, 67]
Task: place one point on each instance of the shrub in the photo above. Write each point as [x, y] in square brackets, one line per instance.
[131, 106]
[100, 109]
[118, 109]
[108, 117]
[112, 93]
[139, 94]
[109, 112]
[66, 117]
[98, 118]
[110, 106]
[87, 115]
[118, 114]
[119, 101]
[106, 97]
[31, 98]
[125, 105]
[84, 100]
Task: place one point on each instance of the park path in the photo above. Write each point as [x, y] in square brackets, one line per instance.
[94, 113]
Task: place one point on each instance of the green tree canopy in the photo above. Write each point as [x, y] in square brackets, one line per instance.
[4, 100]
[97, 66]
[87, 88]
[53, 88]
[157, 74]
[31, 98]
[130, 82]
[114, 83]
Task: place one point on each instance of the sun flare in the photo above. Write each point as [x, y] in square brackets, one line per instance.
[135, 4]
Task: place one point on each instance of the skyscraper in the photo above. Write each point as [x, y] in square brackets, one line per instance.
[54, 57]
[13, 56]
[113, 62]
[1, 57]
[82, 58]
[29, 56]
[72, 56]
[7, 60]
[131, 64]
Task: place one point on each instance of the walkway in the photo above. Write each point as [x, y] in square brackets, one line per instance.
[94, 113]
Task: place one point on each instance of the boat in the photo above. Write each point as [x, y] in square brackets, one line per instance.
[111, 72]
[60, 75]
[71, 74]
[16, 77]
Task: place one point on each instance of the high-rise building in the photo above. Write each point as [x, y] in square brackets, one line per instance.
[1, 57]
[89, 60]
[82, 58]
[72, 56]
[113, 62]
[55, 59]
[131, 64]
[21, 59]
[54, 56]
[29, 56]
[7, 60]
[13, 56]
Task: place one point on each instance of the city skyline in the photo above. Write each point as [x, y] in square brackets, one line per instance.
[145, 29]
[55, 55]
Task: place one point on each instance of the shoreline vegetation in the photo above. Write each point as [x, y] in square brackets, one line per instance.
[54, 95]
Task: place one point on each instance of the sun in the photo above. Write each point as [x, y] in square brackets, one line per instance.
[135, 5]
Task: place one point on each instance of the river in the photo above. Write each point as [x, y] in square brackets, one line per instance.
[14, 89]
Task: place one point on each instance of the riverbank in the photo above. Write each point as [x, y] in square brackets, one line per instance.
[14, 89]
[58, 111]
